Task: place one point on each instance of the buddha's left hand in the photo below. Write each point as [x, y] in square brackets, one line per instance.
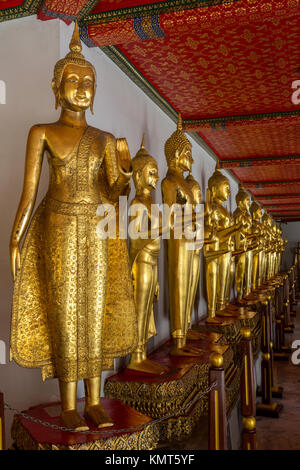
[124, 159]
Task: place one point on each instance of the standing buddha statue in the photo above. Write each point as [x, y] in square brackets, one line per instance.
[267, 222]
[196, 191]
[72, 287]
[176, 190]
[243, 273]
[217, 253]
[144, 251]
[259, 254]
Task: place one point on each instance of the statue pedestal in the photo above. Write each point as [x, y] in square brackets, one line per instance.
[29, 435]
[162, 395]
[230, 326]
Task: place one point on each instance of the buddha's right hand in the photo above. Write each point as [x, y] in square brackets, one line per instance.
[15, 259]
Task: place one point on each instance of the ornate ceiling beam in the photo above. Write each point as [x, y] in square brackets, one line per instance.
[281, 205]
[149, 9]
[278, 196]
[222, 122]
[25, 8]
[263, 161]
[284, 209]
[264, 184]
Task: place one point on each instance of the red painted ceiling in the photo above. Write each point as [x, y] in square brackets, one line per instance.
[256, 138]
[246, 69]
[280, 188]
[268, 173]
[280, 201]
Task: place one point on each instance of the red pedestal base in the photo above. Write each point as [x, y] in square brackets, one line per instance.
[29, 435]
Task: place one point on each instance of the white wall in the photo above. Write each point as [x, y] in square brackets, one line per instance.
[291, 231]
[28, 52]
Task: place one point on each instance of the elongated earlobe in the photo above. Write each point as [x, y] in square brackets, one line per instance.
[56, 94]
[56, 101]
[92, 106]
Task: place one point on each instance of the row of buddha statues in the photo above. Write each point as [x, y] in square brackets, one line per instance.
[80, 301]
[241, 251]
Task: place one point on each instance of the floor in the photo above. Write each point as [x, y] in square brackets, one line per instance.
[281, 433]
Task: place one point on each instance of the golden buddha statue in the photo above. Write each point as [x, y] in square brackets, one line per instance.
[144, 253]
[71, 287]
[267, 238]
[274, 247]
[281, 249]
[278, 241]
[218, 252]
[267, 221]
[196, 262]
[259, 254]
[176, 190]
[244, 261]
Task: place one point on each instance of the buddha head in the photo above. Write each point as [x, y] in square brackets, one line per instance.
[274, 228]
[267, 221]
[243, 199]
[178, 149]
[279, 231]
[74, 79]
[195, 188]
[218, 185]
[255, 211]
[145, 170]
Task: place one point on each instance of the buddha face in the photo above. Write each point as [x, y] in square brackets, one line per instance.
[258, 214]
[244, 203]
[149, 176]
[222, 190]
[185, 159]
[196, 190]
[76, 91]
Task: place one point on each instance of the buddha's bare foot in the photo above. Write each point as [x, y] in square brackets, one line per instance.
[97, 415]
[194, 335]
[150, 367]
[186, 351]
[226, 313]
[212, 320]
[71, 419]
[240, 302]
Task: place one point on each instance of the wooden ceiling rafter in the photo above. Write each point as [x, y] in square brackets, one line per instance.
[264, 184]
[278, 196]
[265, 161]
